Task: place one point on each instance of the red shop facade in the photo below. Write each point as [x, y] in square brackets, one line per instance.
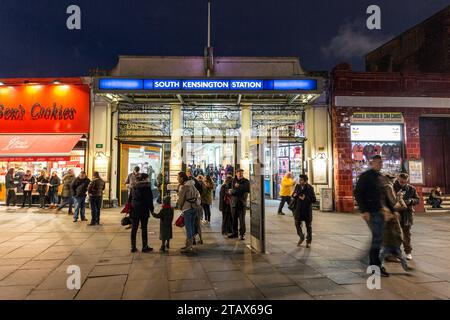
[44, 125]
[403, 117]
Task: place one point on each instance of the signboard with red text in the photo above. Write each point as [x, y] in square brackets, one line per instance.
[44, 109]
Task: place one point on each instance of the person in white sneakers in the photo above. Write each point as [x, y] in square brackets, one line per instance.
[411, 199]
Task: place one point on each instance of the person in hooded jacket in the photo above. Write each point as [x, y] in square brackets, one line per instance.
[66, 194]
[165, 217]
[79, 189]
[141, 202]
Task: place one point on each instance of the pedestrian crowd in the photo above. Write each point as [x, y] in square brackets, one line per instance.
[387, 205]
[57, 193]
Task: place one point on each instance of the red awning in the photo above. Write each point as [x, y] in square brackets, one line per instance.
[34, 147]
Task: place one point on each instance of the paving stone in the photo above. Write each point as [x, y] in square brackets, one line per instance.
[222, 269]
[285, 293]
[15, 292]
[6, 270]
[321, 286]
[441, 288]
[185, 271]
[148, 289]
[189, 285]
[57, 294]
[217, 276]
[109, 270]
[57, 279]
[102, 288]
[362, 292]
[42, 264]
[237, 290]
[25, 278]
[194, 295]
[273, 280]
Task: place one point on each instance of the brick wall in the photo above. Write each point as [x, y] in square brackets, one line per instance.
[348, 83]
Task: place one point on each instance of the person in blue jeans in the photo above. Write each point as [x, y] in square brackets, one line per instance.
[79, 190]
[189, 201]
[95, 191]
[370, 196]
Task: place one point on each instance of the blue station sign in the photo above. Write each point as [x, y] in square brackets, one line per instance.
[207, 84]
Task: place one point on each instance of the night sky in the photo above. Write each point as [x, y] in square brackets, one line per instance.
[34, 39]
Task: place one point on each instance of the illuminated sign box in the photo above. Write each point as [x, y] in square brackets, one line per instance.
[375, 133]
[209, 84]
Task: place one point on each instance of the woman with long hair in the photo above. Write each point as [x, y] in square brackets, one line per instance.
[208, 187]
[42, 184]
[188, 202]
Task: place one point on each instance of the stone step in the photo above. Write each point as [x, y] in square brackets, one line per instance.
[437, 211]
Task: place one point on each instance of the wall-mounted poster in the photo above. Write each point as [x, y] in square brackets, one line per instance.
[416, 172]
[320, 171]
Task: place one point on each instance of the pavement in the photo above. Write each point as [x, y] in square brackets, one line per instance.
[38, 246]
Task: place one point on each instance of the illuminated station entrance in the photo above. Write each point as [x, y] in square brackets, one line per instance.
[177, 119]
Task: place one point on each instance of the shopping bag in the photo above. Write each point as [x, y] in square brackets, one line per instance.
[180, 221]
[127, 208]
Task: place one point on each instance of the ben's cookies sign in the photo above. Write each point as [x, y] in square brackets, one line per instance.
[44, 109]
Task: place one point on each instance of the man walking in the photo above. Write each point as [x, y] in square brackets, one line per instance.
[95, 191]
[369, 195]
[239, 193]
[411, 199]
[79, 190]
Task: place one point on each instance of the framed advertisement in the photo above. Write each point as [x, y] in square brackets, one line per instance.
[320, 171]
[416, 172]
[257, 208]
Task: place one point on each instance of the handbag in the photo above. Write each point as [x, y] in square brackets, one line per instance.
[293, 205]
[180, 221]
[126, 221]
[127, 208]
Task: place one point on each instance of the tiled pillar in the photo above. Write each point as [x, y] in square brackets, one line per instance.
[176, 143]
[246, 123]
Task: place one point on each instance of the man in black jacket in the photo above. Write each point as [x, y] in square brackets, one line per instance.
[369, 195]
[79, 189]
[407, 215]
[239, 193]
[141, 200]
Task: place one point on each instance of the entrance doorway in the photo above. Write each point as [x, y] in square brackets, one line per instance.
[435, 150]
[149, 157]
[210, 157]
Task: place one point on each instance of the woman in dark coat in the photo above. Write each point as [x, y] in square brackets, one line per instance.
[141, 201]
[304, 197]
[225, 206]
[42, 182]
[165, 223]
